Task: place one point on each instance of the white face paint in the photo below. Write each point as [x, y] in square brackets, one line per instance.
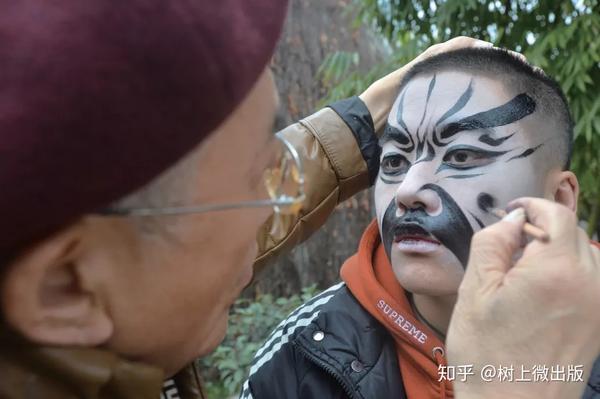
[451, 137]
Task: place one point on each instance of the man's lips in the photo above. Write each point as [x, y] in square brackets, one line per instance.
[413, 232]
[411, 238]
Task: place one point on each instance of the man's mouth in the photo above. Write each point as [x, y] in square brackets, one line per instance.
[413, 238]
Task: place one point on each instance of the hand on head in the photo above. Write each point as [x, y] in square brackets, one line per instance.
[380, 95]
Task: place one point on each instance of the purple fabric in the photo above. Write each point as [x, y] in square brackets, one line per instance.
[98, 97]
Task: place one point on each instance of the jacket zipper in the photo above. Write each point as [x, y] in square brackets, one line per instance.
[328, 369]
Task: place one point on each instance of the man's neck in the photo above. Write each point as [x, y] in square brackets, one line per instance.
[435, 311]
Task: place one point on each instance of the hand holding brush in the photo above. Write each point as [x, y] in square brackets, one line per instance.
[487, 204]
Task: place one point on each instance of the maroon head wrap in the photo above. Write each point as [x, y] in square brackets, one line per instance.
[98, 97]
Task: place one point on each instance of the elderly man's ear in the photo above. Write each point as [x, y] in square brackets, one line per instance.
[49, 295]
[564, 189]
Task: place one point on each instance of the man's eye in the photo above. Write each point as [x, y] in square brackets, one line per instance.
[464, 159]
[394, 164]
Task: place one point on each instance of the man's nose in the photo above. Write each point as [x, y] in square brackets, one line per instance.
[410, 195]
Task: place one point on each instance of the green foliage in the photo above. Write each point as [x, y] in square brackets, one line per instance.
[250, 322]
[559, 36]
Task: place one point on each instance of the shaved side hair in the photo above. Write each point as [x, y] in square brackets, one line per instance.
[516, 74]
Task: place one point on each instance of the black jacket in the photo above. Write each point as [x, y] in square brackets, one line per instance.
[330, 348]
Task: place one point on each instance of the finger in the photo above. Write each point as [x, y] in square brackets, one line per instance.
[492, 252]
[481, 44]
[514, 54]
[453, 44]
[465, 41]
[554, 218]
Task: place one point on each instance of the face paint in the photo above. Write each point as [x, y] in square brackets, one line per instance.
[513, 111]
[526, 153]
[460, 103]
[431, 86]
[479, 222]
[429, 182]
[484, 157]
[486, 202]
[487, 139]
[510, 112]
[467, 176]
[450, 226]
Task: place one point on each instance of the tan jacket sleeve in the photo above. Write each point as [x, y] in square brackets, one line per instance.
[334, 171]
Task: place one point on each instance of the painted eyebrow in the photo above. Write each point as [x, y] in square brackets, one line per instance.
[517, 108]
[390, 133]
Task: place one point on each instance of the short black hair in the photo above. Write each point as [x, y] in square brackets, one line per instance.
[515, 73]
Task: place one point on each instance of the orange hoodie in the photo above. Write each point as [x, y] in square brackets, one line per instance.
[369, 276]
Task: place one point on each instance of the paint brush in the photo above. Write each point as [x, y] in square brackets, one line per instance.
[486, 203]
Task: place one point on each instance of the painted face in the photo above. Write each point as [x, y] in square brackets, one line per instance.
[450, 138]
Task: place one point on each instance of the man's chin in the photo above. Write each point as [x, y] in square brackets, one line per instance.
[428, 257]
[431, 290]
[215, 337]
[427, 274]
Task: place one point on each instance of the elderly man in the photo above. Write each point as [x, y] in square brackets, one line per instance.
[470, 130]
[129, 211]
[132, 151]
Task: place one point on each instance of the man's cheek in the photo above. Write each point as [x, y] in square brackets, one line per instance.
[466, 199]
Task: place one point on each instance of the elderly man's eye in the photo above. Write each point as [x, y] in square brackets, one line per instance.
[467, 158]
[394, 164]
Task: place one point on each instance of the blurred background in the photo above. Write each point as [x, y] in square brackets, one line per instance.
[333, 49]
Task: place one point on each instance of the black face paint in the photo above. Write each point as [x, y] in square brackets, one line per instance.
[420, 147]
[387, 181]
[514, 110]
[486, 139]
[526, 153]
[437, 141]
[486, 155]
[460, 104]
[451, 227]
[391, 133]
[429, 91]
[464, 176]
[486, 202]
[479, 222]
[400, 110]
[430, 154]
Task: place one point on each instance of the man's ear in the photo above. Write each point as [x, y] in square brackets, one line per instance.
[565, 187]
[44, 295]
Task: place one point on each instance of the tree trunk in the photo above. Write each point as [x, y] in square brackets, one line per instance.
[315, 28]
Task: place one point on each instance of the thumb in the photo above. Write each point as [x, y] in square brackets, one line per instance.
[492, 252]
